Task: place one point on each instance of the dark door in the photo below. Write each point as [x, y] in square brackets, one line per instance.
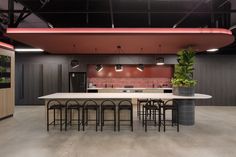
[77, 82]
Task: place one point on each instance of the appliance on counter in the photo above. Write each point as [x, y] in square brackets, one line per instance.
[77, 82]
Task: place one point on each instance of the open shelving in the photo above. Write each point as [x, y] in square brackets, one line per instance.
[5, 71]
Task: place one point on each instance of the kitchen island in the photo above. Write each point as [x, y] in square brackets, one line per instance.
[184, 113]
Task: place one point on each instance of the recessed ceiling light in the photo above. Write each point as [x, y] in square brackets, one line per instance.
[118, 68]
[28, 50]
[212, 50]
[140, 67]
[160, 61]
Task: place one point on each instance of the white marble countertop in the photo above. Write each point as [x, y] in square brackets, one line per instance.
[168, 88]
[122, 96]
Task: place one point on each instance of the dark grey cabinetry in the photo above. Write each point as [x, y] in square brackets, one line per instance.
[34, 80]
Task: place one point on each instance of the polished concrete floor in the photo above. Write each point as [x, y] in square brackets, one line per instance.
[213, 135]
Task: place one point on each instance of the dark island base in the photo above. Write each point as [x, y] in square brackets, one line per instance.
[186, 112]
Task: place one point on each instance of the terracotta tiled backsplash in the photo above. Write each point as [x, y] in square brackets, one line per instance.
[135, 82]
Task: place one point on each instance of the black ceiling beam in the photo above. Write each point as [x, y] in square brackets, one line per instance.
[122, 12]
[189, 13]
[29, 11]
[222, 4]
[21, 17]
[10, 12]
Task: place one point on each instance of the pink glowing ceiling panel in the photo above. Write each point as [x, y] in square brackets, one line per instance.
[129, 40]
[6, 46]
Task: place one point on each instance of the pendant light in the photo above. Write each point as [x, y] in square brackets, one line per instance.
[99, 67]
[118, 67]
[140, 67]
[74, 63]
[160, 61]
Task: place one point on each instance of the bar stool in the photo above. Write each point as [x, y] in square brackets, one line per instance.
[55, 105]
[108, 105]
[151, 111]
[122, 106]
[73, 105]
[140, 103]
[88, 106]
[175, 116]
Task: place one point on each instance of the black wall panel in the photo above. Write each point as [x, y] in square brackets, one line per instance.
[38, 75]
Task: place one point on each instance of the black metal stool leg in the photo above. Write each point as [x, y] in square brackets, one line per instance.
[54, 121]
[96, 120]
[47, 119]
[146, 114]
[131, 119]
[164, 119]
[79, 121]
[83, 118]
[60, 119]
[159, 119]
[118, 119]
[65, 119]
[114, 120]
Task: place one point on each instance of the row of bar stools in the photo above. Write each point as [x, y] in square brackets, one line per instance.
[150, 112]
[71, 106]
[159, 108]
[140, 104]
[108, 105]
[55, 106]
[90, 105]
[128, 106]
[84, 109]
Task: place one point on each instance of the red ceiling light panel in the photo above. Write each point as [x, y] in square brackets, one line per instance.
[105, 40]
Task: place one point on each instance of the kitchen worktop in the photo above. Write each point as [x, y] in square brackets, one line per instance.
[165, 88]
[121, 96]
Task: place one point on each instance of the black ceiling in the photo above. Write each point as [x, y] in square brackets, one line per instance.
[131, 13]
[134, 13]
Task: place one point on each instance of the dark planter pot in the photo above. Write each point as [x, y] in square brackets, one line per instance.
[183, 91]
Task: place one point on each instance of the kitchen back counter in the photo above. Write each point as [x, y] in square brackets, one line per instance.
[129, 90]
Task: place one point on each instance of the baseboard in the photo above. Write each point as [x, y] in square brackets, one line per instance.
[11, 115]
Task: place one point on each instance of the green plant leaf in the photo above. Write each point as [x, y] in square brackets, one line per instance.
[183, 75]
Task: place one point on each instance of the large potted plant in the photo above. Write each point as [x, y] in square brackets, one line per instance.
[183, 83]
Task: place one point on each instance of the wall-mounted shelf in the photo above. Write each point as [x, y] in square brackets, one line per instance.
[5, 85]
[5, 71]
[5, 64]
[5, 74]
